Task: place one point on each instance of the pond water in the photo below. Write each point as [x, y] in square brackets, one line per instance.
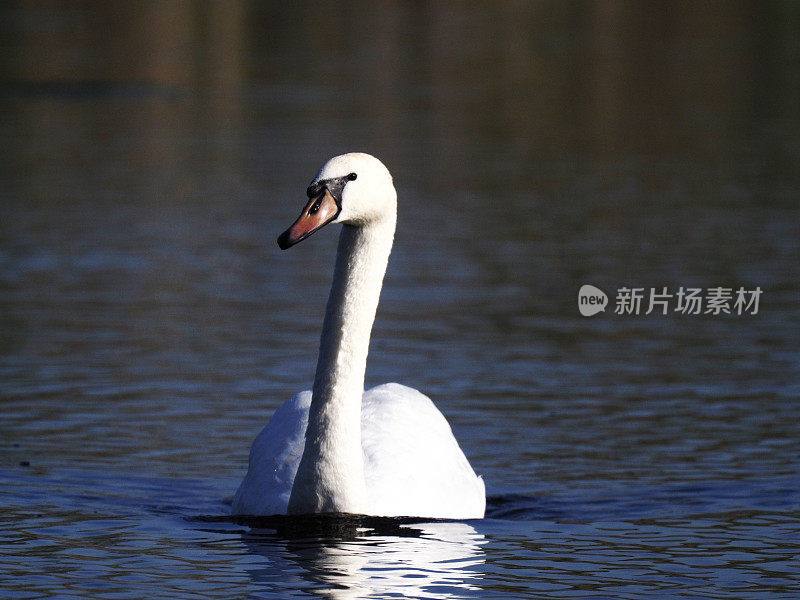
[149, 324]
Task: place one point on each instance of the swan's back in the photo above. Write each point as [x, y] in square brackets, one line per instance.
[412, 462]
[413, 465]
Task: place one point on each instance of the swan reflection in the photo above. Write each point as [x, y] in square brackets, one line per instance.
[348, 560]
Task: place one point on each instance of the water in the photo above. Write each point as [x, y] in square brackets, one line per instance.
[149, 325]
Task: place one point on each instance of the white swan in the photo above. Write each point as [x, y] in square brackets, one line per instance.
[384, 452]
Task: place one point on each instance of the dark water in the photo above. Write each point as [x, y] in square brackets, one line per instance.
[149, 325]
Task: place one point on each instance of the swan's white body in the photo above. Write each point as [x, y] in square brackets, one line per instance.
[384, 452]
[412, 463]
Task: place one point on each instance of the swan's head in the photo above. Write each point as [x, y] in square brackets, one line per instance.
[353, 188]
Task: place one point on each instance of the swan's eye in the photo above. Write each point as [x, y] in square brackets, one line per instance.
[351, 177]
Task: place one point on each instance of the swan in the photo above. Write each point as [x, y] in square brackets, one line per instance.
[338, 449]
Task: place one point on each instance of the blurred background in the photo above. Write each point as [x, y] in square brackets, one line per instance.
[152, 151]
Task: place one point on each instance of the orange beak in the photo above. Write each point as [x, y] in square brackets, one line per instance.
[320, 210]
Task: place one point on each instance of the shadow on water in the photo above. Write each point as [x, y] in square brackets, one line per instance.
[339, 525]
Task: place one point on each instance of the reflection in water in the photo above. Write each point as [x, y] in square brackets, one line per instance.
[348, 558]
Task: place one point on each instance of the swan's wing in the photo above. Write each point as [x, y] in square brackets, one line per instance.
[413, 464]
[274, 457]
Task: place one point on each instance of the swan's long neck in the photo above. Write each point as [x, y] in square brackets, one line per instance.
[330, 477]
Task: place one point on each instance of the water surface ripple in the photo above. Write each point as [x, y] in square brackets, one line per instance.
[149, 325]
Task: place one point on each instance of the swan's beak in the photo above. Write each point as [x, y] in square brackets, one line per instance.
[320, 210]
